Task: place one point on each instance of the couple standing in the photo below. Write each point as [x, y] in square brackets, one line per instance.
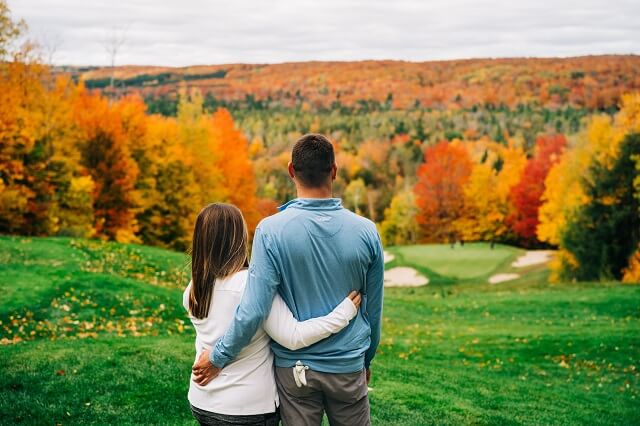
[289, 305]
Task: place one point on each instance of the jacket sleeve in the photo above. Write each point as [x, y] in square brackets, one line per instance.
[374, 296]
[262, 283]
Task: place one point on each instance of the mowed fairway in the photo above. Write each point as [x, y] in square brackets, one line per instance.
[100, 337]
[472, 261]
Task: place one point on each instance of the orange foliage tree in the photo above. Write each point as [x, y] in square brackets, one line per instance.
[18, 95]
[235, 166]
[440, 190]
[106, 155]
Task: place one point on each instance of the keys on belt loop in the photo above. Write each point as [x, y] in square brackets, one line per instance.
[299, 374]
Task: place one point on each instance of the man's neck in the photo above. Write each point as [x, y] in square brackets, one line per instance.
[324, 192]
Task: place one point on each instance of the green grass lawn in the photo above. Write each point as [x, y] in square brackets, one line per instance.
[93, 333]
[473, 261]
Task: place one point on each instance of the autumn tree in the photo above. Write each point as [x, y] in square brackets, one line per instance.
[10, 32]
[44, 184]
[44, 189]
[233, 163]
[106, 156]
[203, 147]
[486, 193]
[570, 187]
[512, 162]
[477, 220]
[606, 231]
[526, 194]
[69, 187]
[631, 274]
[440, 190]
[372, 157]
[166, 184]
[399, 226]
[16, 127]
[73, 163]
[34, 123]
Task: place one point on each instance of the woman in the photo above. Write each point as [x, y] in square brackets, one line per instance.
[245, 390]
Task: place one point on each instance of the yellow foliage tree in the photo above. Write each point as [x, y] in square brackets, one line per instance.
[196, 134]
[75, 214]
[497, 169]
[564, 193]
[563, 189]
[399, 225]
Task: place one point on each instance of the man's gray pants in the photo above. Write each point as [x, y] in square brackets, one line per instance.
[343, 396]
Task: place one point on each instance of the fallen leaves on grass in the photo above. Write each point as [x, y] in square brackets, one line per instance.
[128, 262]
[407, 355]
[76, 315]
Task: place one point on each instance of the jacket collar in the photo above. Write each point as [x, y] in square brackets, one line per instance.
[313, 204]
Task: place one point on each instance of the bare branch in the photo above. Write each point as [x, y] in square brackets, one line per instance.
[50, 43]
[112, 44]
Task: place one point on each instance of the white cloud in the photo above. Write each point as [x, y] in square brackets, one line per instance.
[164, 32]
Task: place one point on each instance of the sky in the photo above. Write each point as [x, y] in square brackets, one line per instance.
[191, 32]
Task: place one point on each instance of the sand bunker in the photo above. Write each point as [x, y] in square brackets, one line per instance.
[532, 257]
[388, 257]
[402, 276]
[499, 278]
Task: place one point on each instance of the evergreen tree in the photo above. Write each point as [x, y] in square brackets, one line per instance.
[606, 231]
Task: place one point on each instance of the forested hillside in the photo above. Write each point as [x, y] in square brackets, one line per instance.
[590, 82]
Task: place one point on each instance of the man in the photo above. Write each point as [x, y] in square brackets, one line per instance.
[313, 253]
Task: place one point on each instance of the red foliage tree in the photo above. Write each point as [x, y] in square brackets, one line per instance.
[525, 195]
[439, 190]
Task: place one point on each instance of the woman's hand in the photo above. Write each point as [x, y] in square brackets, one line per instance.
[356, 298]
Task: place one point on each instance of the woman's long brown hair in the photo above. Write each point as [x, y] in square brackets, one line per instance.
[219, 249]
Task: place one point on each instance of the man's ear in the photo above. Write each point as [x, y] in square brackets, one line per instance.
[334, 171]
[292, 172]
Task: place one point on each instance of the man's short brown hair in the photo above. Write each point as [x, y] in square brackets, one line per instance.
[313, 159]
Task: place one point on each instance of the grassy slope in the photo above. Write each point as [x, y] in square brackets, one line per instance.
[521, 352]
[56, 288]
